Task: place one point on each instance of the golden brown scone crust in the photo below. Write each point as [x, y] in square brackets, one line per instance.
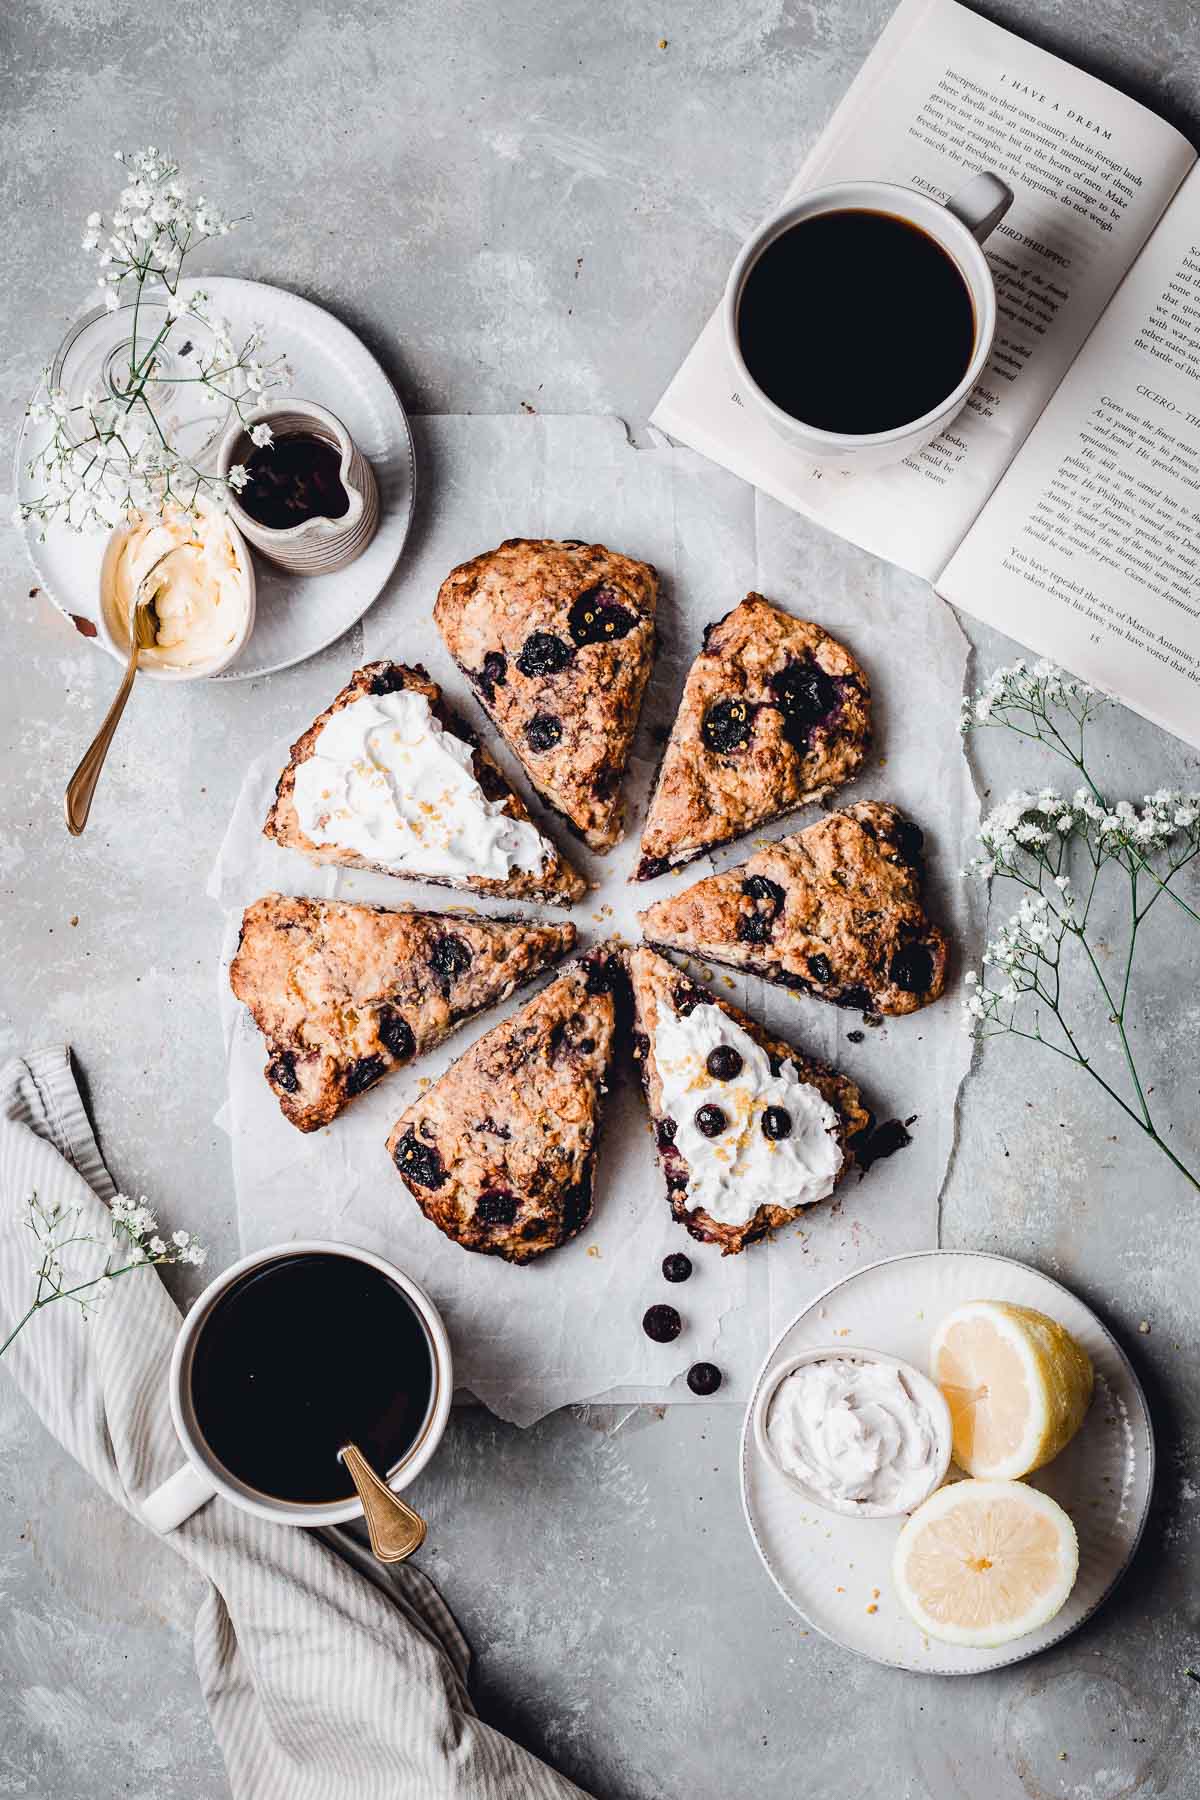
[834, 909]
[568, 703]
[558, 884]
[500, 1152]
[767, 674]
[657, 986]
[343, 993]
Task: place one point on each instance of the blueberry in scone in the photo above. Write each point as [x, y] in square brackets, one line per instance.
[387, 778]
[500, 1152]
[342, 993]
[557, 639]
[774, 713]
[834, 910]
[749, 1130]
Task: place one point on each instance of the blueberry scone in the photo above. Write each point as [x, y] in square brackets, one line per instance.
[557, 639]
[387, 778]
[834, 909]
[775, 713]
[500, 1152]
[342, 993]
[749, 1130]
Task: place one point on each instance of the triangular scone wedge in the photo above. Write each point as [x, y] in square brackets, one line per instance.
[834, 909]
[557, 639]
[500, 1152]
[775, 713]
[343, 993]
[388, 778]
[750, 1131]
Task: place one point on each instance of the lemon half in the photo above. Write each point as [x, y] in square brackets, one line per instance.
[984, 1562]
[1017, 1384]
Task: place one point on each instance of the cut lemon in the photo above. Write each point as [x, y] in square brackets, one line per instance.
[1017, 1384]
[984, 1562]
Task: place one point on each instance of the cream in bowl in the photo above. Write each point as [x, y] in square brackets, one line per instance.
[856, 1431]
[197, 569]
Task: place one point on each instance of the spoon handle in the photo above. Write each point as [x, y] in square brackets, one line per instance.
[394, 1529]
[82, 784]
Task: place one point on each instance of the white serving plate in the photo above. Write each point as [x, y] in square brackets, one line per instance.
[296, 615]
[828, 1567]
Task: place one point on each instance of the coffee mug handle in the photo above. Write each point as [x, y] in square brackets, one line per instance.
[981, 204]
[177, 1499]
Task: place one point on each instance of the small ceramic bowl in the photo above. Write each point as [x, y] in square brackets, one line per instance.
[930, 1396]
[316, 546]
[112, 625]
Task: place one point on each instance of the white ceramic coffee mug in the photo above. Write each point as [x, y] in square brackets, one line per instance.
[203, 1476]
[958, 227]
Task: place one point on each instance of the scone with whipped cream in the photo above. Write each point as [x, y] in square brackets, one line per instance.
[343, 993]
[500, 1152]
[775, 713]
[557, 638]
[750, 1131]
[387, 778]
[834, 910]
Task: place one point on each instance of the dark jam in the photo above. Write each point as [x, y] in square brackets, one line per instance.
[296, 478]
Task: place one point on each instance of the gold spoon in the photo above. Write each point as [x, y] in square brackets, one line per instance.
[143, 630]
[394, 1529]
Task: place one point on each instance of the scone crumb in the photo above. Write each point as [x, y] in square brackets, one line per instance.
[872, 1608]
[594, 1250]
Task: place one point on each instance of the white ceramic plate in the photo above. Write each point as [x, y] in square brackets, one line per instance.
[829, 1568]
[296, 615]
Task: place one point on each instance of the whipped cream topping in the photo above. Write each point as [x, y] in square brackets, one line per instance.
[740, 1167]
[854, 1431]
[387, 781]
[199, 586]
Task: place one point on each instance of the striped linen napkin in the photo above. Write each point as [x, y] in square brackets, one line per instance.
[322, 1683]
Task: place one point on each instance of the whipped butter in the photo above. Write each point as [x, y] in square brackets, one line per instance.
[741, 1167]
[856, 1432]
[387, 781]
[196, 579]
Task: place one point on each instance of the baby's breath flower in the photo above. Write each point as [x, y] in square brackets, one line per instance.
[261, 434]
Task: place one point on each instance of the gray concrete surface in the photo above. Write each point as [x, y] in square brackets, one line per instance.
[528, 204]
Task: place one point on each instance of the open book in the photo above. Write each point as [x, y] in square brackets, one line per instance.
[1063, 505]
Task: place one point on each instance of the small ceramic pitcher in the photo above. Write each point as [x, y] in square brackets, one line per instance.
[316, 546]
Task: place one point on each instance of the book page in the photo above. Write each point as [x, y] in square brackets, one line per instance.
[1089, 550]
[943, 95]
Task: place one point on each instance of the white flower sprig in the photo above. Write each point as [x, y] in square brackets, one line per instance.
[81, 1266]
[1056, 847]
[115, 451]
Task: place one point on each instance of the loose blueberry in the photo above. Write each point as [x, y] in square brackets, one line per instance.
[710, 1121]
[597, 617]
[704, 1378]
[821, 969]
[726, 727]
[677, 1266]
[912, 969]
[543, 731]
[776, 1123]
[283, 1072]
[420, 1162]
[723, 1063]
[450, 958]
[395, 1033]
[496, 1206]
[662, 1323]
[543, 654]
[362, 1073]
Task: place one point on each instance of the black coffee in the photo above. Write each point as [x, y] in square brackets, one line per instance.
[300, 1357]
[857, 322]
[298, 477]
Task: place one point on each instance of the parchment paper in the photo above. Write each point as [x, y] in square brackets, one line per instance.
[567, 1328]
